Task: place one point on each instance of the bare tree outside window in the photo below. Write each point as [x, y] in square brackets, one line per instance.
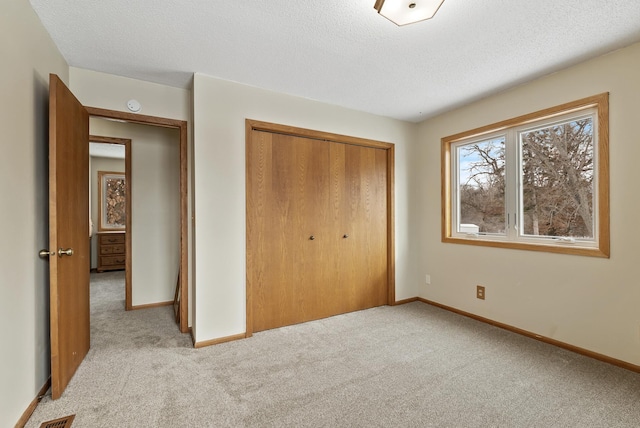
[557, 180]
[482, 185]
[536, 182]
[556, 175]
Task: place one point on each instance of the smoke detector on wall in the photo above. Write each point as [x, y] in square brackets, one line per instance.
[134, 106]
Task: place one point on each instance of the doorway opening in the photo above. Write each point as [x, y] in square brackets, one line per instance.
[111, 228]
[180, 297]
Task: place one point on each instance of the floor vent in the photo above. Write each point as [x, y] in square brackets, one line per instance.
[59, 423]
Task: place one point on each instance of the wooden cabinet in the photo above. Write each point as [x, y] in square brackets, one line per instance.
[111, 251]
[316, 229]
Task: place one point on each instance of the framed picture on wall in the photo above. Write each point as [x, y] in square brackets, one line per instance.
[112, 214]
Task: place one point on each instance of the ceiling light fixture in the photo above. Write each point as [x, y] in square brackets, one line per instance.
[403, 12]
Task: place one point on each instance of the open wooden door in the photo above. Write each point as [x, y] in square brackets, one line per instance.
[68, 233]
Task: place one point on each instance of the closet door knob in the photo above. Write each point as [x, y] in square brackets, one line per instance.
[345, 236]
[311, 238]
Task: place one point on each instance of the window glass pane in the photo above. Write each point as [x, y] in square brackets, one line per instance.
[481, 197]
[557, 180]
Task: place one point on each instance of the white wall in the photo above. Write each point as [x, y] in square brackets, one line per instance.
[95, 89]
[587, 302]
[155, 207]
[220, 109]
[28, 56]
[99, 164]
[103, 90]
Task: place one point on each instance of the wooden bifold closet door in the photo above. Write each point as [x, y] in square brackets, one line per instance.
[317, 228]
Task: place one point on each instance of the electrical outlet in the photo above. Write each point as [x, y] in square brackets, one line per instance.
[480, 292]
[427, 279]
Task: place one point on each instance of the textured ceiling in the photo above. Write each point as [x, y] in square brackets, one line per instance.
[341, 52]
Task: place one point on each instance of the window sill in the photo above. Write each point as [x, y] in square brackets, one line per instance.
[572, 249]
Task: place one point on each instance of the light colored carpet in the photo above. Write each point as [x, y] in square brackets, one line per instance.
[407, 366]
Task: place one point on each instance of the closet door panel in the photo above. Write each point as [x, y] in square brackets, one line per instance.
[316, 228]
[365, 222]
[309, 235]
[269, 260]
[288, 209]
[379, 237]
[340, 296]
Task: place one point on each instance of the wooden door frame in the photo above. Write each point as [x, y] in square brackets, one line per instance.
[126, 142]
[181, 126]
[255, 125]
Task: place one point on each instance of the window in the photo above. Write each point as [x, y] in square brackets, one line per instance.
[536, 182]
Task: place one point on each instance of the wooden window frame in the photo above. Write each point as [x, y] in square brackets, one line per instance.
[602, 248]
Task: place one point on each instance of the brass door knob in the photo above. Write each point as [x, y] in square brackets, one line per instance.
[311, 238]
[67, 252]
[46, 253]
[345, 236]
